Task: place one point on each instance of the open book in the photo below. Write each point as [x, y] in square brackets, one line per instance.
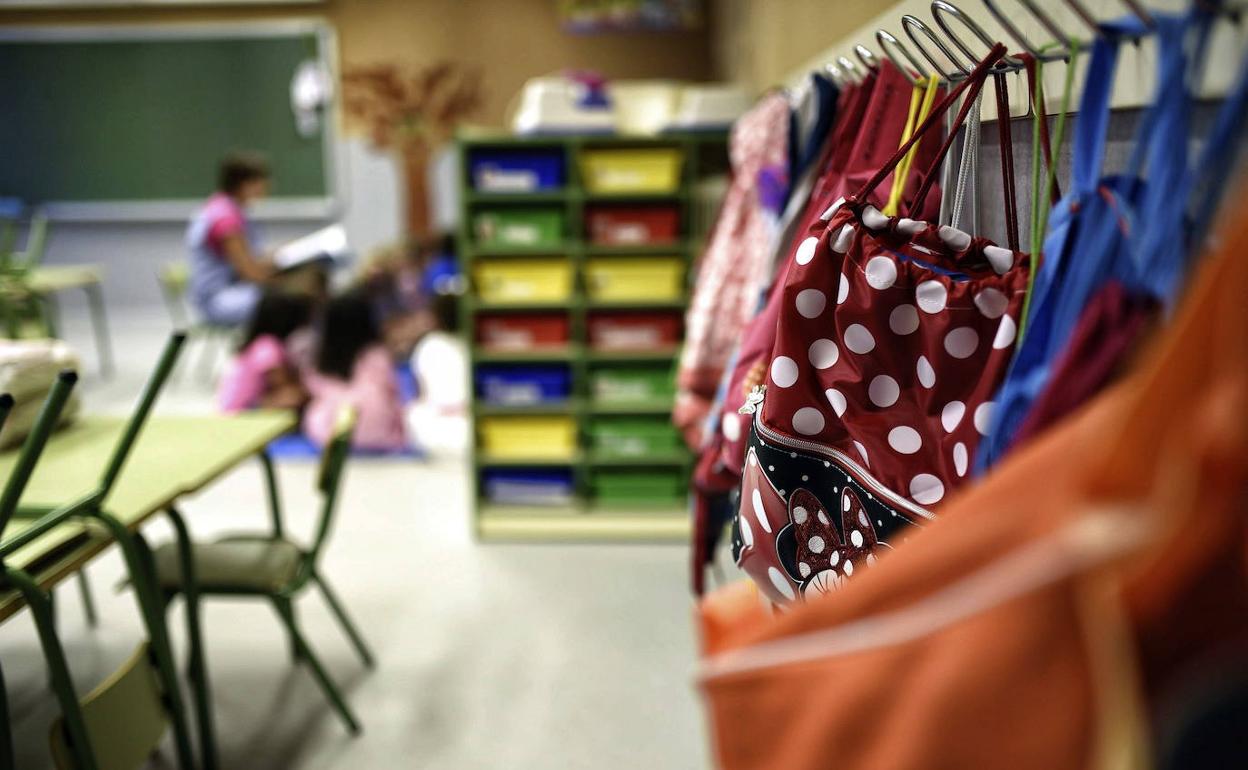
[329, 243]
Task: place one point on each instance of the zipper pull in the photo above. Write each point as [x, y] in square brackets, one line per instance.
[753, 400]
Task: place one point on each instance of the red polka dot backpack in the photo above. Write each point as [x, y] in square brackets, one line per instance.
[892, 337]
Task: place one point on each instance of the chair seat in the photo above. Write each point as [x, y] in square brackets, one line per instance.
[234, 565]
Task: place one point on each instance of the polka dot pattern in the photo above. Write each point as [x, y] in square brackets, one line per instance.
[831, 210]
[806, 251]
[907, 226]
[859, 339]
[823, 353]
[1000, 259]
[904, 320]
[844, 239]
[881, 272]
[926, 374]
[842, 291]
[954, 238]
[783, 372]
[808, 421]
[983, 418]
[905, 440]
[961, 342]
[931, 296]
[874, 218]
[883, 391]
[991, 302]
[730, 426]
[951, 415]
[926, 489]
[837, 399]
[1005, 334]
[960, 459]
[811, 303]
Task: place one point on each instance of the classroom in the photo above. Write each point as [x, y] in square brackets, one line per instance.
[597, 384]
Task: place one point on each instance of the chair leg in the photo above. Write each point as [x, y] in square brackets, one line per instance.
[286, 608]
[99, 324]
[336, 607]
[88, 603]
[197, 665]
[7, 761]
[318, 671]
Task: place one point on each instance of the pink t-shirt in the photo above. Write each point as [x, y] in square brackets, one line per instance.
[225, 219]
[373, 391]
[244, 382]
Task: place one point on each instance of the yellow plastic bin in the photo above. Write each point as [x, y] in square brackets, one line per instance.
[524, 280]
[624, 279]
[654, 170]
[528, 437]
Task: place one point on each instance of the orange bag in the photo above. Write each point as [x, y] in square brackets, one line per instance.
[1028, 625]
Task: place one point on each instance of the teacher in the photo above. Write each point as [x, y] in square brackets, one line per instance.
[227, 268]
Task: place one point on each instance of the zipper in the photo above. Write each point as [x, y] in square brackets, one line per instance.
[754, 404]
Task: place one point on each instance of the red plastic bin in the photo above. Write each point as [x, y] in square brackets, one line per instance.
[634, 331]
[632, 225]
[522, 332]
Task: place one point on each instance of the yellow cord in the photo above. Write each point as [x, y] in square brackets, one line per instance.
[921, 101]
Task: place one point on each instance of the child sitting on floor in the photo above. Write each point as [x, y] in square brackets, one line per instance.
[265, 373]
[353, 367]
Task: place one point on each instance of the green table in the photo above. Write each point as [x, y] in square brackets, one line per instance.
[48, 280]
[173, 456]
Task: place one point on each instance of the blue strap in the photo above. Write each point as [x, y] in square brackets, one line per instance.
[1092, 124]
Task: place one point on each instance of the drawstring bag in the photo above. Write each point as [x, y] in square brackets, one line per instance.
[853, 155]
[1117, 228]
[1082, 587]
[891, 339]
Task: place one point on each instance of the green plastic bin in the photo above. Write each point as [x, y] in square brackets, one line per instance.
[633, 436]
[519, 228]
[628, 384]
[632, 485]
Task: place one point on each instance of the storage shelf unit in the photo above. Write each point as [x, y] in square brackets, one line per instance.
[630, 515]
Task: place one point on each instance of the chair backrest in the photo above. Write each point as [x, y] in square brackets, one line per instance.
[36, 241]
[333, 461]
[155, 382]
[125, 717]
[45, 423]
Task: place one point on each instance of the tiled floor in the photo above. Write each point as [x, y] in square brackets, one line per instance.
[491, 656]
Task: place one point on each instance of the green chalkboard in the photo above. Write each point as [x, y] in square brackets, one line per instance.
[146, 117]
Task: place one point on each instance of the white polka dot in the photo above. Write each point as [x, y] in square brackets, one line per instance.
[816, 544]
[753, 459]
[842, 290]
[951, 415]
[845, 503]
[783, 371]
[1005, 334]
[825, 216]
[874, 218]
[811, 302]
[862, 519]
[961, 342]
[870, 559]
[808, 421]
[862, 452]
[747, 534]
[800, 514]
[731, 427]
[835, 559]
[926, 489]
[803, 569]
[806, 251]
[858, 339]
[908, 226]
[823, 519]
[903, 320]
[991, 302]
[760, 512]
[849, 567]
[781, 583]
[931, 296]
[905, 439]
[823, 353]
[954, 238]
[883, 391]
[881, 272]
[856, 538]
[983, 417]
[837, 399]
[960, 458]
[927, 375]
[844, 239]
[1000, 259]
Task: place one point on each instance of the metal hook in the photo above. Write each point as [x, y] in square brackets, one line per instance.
[849, 68]
[1140, 13]
[1087, 18]
[835, 73]
[1045, 20]
[916, 73]
[867, 58]
[940, 7]
[910, 24]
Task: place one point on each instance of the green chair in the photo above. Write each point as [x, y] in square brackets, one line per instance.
[126, 717]
[273, 567]
[174, 279]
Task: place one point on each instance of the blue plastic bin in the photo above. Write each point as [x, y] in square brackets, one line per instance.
[516, 171]
[528, 487]
[520, 385]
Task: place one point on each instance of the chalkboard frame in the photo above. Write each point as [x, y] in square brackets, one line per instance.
[328, 206]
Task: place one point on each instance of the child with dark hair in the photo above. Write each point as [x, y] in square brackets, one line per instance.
[352, 366]
[264, 373]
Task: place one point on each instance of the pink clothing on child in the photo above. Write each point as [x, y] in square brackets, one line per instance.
[243, 385]
[373, 391]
